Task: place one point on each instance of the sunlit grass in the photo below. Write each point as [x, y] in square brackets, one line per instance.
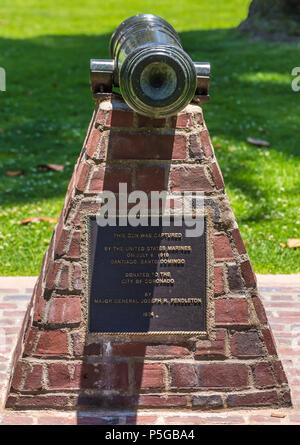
[272, 78]
[45, 48]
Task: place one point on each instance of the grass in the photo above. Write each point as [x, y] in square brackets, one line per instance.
[45, 48]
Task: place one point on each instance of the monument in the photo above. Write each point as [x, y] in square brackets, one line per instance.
[152, 303]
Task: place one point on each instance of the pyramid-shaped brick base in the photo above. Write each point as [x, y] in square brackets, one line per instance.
[61, 365]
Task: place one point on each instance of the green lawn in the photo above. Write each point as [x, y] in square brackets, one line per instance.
[45, 48]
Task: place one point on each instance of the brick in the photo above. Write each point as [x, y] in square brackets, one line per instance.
[189, 179]
[144, 121]
[11, 401]
[206, 144]
[17, 376]
[93, 349]
[13, 419]
[57, 420]
[125, 400]
[263, 419]
[139, 349]
[8, 305]
[185, 420]
[72, 181]
[149, 376]
[229, 311]
[248, 274]
[195, 147]
[92, 420]
[39, 310]
[51, 274]
[150, 178]
[279, 373]
[234, 278]
[63, 282]
[199, 117]
[66, 310]
[259, 309]
[132, 349]
[30, 340]
[95, 399]
[64, 376]
[7, 321]
[82, 176]
[183, 121]
[47, 258]
[218, 280]
[119, 118]
[238, 241]
[207, 402]
[38, 289]
[262, 398]
[38, 401]
[33, 379]
[86, 207]
[141, 419]
[52, 343]
[206, 349]
[263, 375]
[246, 345]
[109, 178]
[77, 277]
[295, 419]
[223, 375]
[80, 348]
[74, 248]
[93, 142]
[222, 248]
[101, 116]
[67, 206]
[217, 176]
[10, 330]
[105, 376]
[60, 224]
[162, 401]
[287, 398]
[149, 146]
[166, 351]
[61, 241]
[184, 375]
[269, 341]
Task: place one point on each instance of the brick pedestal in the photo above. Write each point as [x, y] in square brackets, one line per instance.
[62, 366]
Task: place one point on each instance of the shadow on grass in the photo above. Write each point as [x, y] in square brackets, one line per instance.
[47, 106]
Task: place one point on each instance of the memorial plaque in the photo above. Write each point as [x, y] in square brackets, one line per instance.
[146, 279]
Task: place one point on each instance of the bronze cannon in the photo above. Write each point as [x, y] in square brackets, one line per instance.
[155, 76]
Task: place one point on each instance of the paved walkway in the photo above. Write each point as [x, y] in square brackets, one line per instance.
[281, 297]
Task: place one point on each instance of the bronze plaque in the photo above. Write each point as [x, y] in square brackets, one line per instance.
[146, 279]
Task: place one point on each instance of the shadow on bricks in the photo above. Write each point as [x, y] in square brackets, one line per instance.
[63, 365]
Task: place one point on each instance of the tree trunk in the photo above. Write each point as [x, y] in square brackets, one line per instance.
[279, 17]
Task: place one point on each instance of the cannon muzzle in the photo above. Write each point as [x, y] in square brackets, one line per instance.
[156, 77]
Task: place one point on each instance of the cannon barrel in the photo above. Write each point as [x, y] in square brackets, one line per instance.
[156, 77]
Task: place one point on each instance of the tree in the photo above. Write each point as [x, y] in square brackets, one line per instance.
[281, 17]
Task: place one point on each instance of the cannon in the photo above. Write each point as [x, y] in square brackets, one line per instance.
[155, 76]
